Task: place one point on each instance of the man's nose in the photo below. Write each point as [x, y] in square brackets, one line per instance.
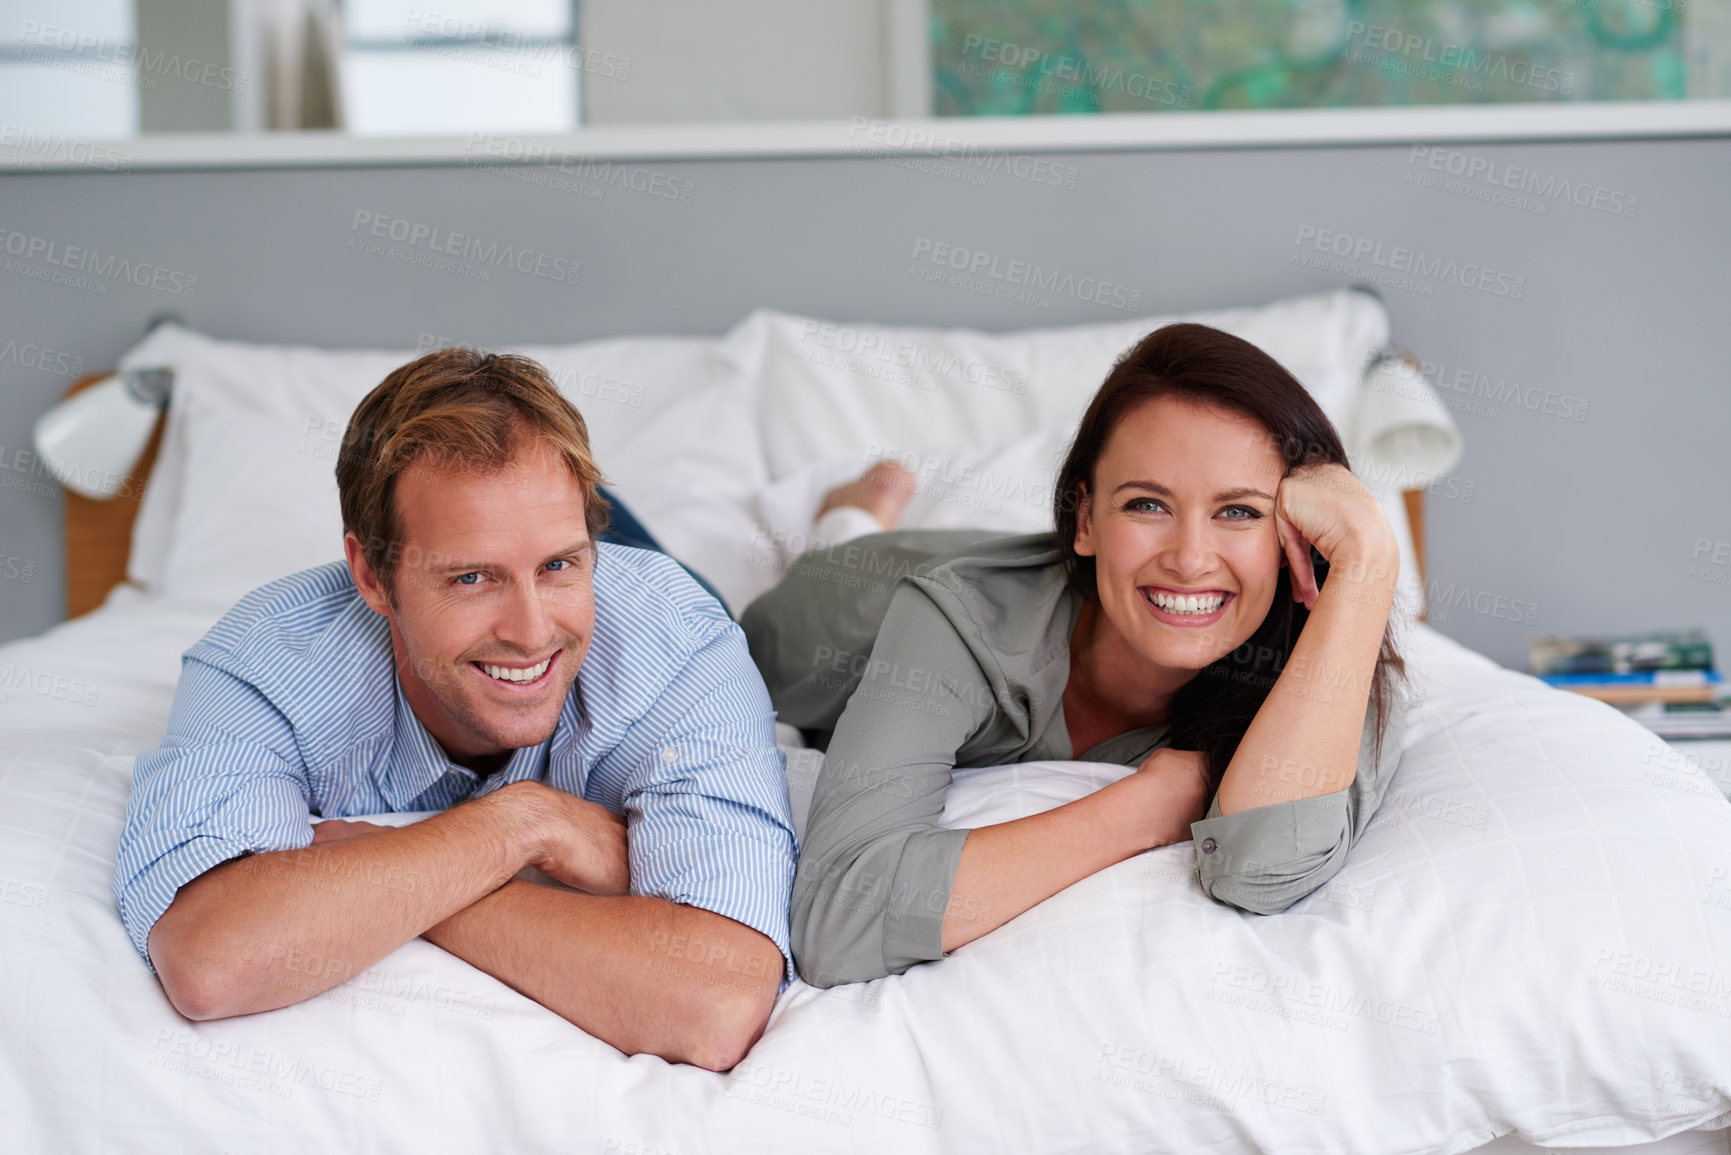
[524, 621]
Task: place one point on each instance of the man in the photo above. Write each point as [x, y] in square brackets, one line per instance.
[565, 704]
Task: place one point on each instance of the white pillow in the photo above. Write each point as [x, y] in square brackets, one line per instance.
[259, 501]
[689, 474]
[620, 386]
[1005, 487]
[831, 390]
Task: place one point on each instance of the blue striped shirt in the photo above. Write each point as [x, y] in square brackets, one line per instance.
[290, 706]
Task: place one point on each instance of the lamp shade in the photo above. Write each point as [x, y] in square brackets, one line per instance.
[1403, 436]
[91, 441]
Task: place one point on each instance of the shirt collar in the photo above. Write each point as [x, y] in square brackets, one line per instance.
[418, 762]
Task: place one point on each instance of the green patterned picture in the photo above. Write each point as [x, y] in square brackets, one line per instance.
[1050, 56]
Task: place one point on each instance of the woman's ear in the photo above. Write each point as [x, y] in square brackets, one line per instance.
[1084, 543]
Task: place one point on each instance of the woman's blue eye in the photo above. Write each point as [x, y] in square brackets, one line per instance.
[1249, 514]
[1138, 503]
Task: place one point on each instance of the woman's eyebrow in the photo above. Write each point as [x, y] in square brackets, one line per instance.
[1224, 495]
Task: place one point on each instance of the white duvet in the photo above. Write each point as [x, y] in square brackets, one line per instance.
[1532, 937]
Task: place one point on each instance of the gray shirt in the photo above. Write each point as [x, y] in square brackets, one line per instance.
[963, 664]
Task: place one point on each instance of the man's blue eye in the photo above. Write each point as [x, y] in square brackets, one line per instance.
[465, 578]
[559, 561]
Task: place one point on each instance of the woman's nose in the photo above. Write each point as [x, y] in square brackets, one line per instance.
[1190, 556]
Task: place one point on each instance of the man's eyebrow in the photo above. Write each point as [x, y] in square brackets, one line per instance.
[1224, 495]
[581, 547]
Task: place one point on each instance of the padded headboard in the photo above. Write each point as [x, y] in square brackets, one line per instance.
[1578, 370]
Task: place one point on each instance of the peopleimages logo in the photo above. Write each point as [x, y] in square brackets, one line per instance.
[990, 273]
[69, 47]
[419, 243]
[1461, 58]
[894, 142]
[1408, 263]
[1495, 176]
[48, 148]
[88, 269]
[1041, 70]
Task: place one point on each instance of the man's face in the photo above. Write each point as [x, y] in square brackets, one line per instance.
[494, 603]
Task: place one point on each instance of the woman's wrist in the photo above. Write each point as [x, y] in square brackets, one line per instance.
[1153, 815]
[1371, 559]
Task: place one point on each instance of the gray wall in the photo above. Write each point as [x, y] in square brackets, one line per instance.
[1595, 522]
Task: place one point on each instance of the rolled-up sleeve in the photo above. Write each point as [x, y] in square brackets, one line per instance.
[710, 822]
[1264, 859]
[876, 871]
[227, 781]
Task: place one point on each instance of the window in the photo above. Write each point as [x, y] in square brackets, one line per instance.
[67, 69]
[451, 66]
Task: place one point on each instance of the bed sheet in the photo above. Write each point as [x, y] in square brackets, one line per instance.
[1533, 939]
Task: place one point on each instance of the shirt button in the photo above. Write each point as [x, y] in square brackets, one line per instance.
[1208, 845]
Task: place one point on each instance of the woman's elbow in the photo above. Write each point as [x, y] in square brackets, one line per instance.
[1266, 892]
[833, 956]
[1252, 899]
[814, 959]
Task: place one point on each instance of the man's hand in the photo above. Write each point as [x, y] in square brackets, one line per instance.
[1182, 777]
[575, 841]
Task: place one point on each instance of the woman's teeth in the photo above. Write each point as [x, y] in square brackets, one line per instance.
[507, 674]
[1185, 603]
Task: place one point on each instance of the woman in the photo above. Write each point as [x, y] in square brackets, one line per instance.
[1176, 622]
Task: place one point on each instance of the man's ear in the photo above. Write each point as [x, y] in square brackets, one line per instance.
[1084, 543]
[367, 582]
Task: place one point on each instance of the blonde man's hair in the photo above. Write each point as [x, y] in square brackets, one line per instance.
[455, 408]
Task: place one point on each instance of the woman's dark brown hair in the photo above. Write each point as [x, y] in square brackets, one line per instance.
[1211, 712]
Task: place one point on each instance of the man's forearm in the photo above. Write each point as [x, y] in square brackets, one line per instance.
[272, 929]
[646, 975]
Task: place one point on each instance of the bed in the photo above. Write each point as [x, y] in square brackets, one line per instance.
[1531, 944]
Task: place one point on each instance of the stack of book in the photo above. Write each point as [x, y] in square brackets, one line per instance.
[1666, 681]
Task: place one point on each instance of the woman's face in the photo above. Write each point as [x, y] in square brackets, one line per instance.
[1180, 524]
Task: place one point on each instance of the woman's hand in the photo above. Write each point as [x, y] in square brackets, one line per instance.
[1180, 778]
[1325, 506]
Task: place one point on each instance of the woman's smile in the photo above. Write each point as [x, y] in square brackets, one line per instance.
[1186, 609]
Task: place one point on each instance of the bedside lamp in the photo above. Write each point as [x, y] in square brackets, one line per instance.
[1402, 436]
[91, 441]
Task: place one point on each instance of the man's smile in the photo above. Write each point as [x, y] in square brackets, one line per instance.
[519, 675]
